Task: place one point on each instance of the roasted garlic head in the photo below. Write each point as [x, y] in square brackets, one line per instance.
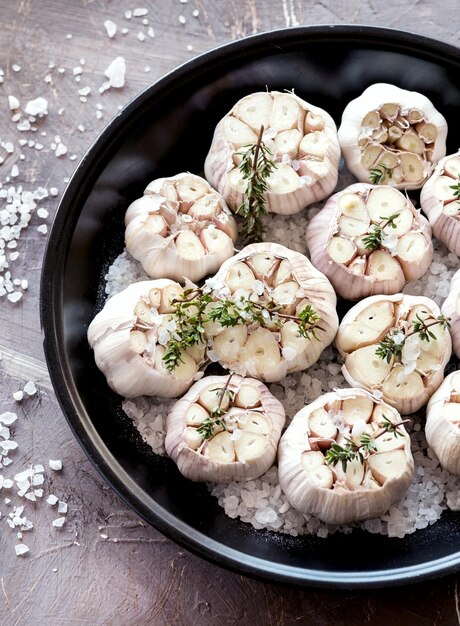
[442, 427]
[369, 240]
[346, 457]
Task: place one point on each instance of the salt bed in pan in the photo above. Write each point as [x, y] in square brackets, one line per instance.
[261, 502]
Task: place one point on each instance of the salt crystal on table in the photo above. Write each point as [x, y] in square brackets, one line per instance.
[57, 523]
[18, 395]
[20, 549]
[116, 73]
[62, 507]
[13, 103]
[55, 465]
[111, 28]
[51, 499]
[30, 388]
[37, 107]
[140, 12]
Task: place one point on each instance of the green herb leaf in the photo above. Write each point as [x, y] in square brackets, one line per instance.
[378, 174]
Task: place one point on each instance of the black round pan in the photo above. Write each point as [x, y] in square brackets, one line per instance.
[168, 129]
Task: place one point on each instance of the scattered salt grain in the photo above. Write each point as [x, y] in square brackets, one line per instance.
[13, 103]
[116, 73]
[15, 67]
[42, 213]
[37, 107]
[182, 19]
[62, 507]
[55, 465]
[21, 549]
[18, 395]
[51, 499]
[111, 28]
[30, 388]
[59, 522]
[8, 418]
[140, 12]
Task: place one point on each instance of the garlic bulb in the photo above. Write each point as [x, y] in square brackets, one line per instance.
[272, 274]
[442, 427]
[397, 131]
[243, 438]
[441, 204]
[451, 309]
[303, 142]
[181, 227]
[128, 338]
[373, 476]
[363, 252]
[409, 374]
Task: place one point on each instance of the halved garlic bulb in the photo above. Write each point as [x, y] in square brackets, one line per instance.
[181, 227]
[374, 476]
[442, 427]
[286, 280]
[338, 234]
[451, 309]
[408, 380]
[398, 131]
[243, 437]
[303, 142]
[441, 204]
[129, 336]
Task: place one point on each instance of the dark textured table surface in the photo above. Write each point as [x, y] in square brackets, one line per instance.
[105, 565]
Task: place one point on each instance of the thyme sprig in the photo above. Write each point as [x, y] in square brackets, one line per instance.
[208, 426]
[389, 427]
[373, 240]
[393, 343]
[456, 188]
[191, 312]
[378, 174]
[255, 167]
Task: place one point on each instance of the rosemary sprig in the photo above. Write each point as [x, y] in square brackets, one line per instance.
[378, 174]
[351, 451]
[192, 312]
[392, 344]
[389, 427]
[373, 240]
[255, 167]
[207, 428]
[456, 188]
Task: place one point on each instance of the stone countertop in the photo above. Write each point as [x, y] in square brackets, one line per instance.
[105, 565]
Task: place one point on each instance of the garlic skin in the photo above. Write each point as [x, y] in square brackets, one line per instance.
[180, 228]
[451, 309]
[361, 491]
[394, 127]
[302, 139]
[442, 427]
[125, 339]
[334, 238]
[440, 204]
[254, 419]
[405, 385]
[265, 271]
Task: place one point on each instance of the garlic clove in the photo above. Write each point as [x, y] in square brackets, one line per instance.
[238, 133]
[313, 122]
[221, 448]
[366, 368]
[352, 227]
[283, 180]
[321, 477]
[452, 167]
[255, 423]
[383, 202]
[412, 252]
[248, 397]
[286, 113]
[255, 110]
[354, 473]
[352, 205]
[240, 276]
[341, 250]
[170, 293]
[213, 397]
[229, 343]
[387, 466]
[207, 206]
[378, 314]
[314, 144]
[442, 427]
[188, 246]
[359, 408]
[383, 266]
[261, 353]
[388, 441]
[214, 239]
[399, 386]
[288, 141]
[321, 425]
[262, 264]
[193, 438]
[195, 415]
[137, 341]
[311, 460]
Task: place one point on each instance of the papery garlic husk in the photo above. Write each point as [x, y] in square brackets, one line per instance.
[335, 241]
[451, 309]
[408, 384]
[363, 490]
[180, 228]
[125, 339]
[264, 272]
[390, 126]
[441, 205]
[302, 139]
[442, 427]
[247, 448]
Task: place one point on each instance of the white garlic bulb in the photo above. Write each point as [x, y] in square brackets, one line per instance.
[407, 380]
[271, 273]
[302, 139]
[397, 131]
[441, 204]
[340, 246]
[365, 486]
[238, 443]
[442, 427]
[451, 309]
[180, 228]
[129, 336]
